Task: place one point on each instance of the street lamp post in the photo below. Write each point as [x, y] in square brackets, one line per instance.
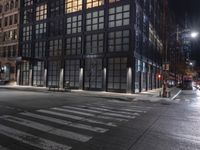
[193, 34]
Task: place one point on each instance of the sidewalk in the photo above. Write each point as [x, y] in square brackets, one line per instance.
[152, 95]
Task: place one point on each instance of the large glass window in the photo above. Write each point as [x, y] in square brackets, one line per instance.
[40, 30]
[27, 33]
[38, 73]
[94, 43]
[93, 73]
[72, 69]
[117, 73]
[55, 47]
[41, 12]
[26, 50]
[94, 3]
[56, 27]
[95, 20]
[40, 48]
[73, 46]
[28, 16]
[24, 77]
[119, 16]
[73, 5]
[56, 8]
[53, 73]
[74, 24]
[118, 41]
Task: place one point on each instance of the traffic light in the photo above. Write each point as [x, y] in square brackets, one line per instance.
[159, 76]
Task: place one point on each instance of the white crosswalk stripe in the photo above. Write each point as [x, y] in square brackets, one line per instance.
[77, 118]
[85, 121]
[31, 139]
[88, 114]
[115, 113]
[96, 111]
[49, 129]
[67, 123]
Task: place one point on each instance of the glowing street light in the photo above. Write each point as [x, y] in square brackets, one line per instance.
[194, 34]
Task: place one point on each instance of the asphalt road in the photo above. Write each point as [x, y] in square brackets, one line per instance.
[64, 121]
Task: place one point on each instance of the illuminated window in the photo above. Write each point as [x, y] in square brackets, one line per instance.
[94, 3]
[41, 12]
[73, 6]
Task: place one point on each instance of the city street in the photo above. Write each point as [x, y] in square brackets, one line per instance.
[62, 121]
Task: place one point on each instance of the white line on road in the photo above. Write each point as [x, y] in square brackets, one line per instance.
[67, 123]
[176, 95]
[31, 139]
[88, 114]
[48, 129]
[119, 111]
[77, 118]
[114, 113]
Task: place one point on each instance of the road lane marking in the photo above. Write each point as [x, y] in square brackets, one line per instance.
[48, 129]
[88, 114]
[87, 109]
[32, 140]
[67, 123]
[114, 113]
[77, 118]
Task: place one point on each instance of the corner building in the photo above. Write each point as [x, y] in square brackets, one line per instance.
[108, 45]
[9, 23]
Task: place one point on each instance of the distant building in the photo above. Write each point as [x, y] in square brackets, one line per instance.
[111, 45]
[9, 23]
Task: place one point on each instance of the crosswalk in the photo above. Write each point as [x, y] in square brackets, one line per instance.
[60, 128]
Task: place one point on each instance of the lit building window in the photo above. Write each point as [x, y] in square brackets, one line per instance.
[94, 3]
[41, 12]
[73, 6]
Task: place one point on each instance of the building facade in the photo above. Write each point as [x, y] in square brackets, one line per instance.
[9, 26]
[108, 45]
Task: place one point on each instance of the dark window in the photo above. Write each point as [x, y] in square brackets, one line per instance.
[56, 28]
[94, 43]
[40, 48]
[53, 73]
[72, 69]
[73, 46]
[118, 41]
[93, 73]
[55, 47]
[117, 73]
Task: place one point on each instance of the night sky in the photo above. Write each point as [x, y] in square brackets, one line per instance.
[192, 9]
